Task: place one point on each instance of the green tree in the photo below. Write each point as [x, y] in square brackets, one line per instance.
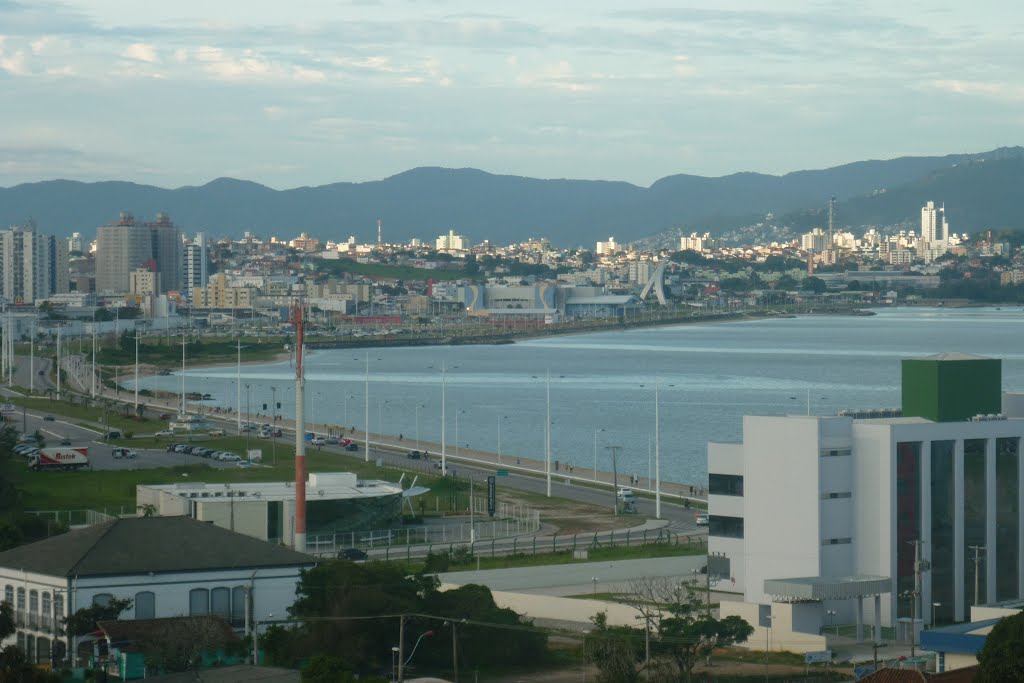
[786, 283]
[84, 620]
[1002, 657]
[814, 284]
[7, 627]
[614, 650]
[327, 669]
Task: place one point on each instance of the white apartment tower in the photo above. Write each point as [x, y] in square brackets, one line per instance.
[934, 228]
[196, 268]
[451, 242]
[608, 248]
[34, 266]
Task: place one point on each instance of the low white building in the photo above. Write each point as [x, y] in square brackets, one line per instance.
[813, 516]
[168, 566]
[337, 503]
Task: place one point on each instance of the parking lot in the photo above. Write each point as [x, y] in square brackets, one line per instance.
[101, 456]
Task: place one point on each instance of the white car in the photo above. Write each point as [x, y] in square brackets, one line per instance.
[230, 457]
[123, 453]
[701, 518]
[164, 432]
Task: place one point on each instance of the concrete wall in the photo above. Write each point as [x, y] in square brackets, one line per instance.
[781, 462]
[563, 609]
[249, 517]
[781, 636]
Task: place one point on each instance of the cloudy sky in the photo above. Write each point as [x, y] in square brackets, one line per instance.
[309, 92]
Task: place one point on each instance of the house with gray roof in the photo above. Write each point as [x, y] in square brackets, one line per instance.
[167, 566]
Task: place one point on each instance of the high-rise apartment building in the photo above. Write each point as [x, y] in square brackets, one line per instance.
[75, 242]
[34, 266]
[166, 240]
[934, 228]
[450, 242]
[196, 270]
[126, 245]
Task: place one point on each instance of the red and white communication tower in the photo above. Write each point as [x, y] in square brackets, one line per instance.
[300, 434]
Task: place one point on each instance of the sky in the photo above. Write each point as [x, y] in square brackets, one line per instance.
[310, 92]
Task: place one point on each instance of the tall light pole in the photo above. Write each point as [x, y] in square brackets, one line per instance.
[182, 372]
[418, 406]
[93, 366]
[58, 362]
[247, 418]
[595, 452]
[238, 387]
[444, 445]
[547, 436]
[501, 418]
[457, 413]
[657, 451]
[136, 370]
[273, 422]
[615, 474]
[366, 396]
[32, 358]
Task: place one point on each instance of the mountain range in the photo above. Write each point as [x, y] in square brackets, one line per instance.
[978, 190]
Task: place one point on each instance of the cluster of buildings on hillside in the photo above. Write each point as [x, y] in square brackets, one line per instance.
[155, 266]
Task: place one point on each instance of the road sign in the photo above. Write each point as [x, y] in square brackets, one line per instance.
[492, 499]
[255, 454]
[818, 657]
[8, 408]
[502, 473]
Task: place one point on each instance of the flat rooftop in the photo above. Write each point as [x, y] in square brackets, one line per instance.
[320, 485]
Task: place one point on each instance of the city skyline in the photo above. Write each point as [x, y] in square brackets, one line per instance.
[176, 95]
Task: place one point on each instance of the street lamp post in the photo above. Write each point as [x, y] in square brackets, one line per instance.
[501, 418]
[457, 413]
[273, 423]
[595, 452]
[136, 371]
[247, 418]
[418, 406]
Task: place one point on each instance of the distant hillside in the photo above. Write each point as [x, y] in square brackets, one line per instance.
[978, 195]
[425, 202]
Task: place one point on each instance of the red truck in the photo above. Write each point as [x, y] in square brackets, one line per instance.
[63, 458]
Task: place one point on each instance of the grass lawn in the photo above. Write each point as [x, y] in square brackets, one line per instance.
[159, 351]
[90, 415]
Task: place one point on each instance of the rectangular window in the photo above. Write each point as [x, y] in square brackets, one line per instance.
[975, 495]
[21, 599]
[834, 452]
[1007, 517]
[725, 484]
[9, 595]
[725, 527]
[943, 525]
[238, 606]
[836, 495]
[837, 541]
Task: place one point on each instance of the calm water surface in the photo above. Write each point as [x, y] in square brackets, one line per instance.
[604, 383]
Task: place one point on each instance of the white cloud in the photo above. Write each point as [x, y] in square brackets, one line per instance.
[681, 66]
[304, 75]
[1004, 91]
[142, 52]
[555, 76]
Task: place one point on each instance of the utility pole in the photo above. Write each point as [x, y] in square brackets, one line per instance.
[273, 427]
[58, 363]
[977, 562]
[657, 453]
[547, 436]
[615, 475]
[455, 655]
[136, 370]
[401, 648]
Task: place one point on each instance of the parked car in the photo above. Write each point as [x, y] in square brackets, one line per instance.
[701, 518]
[172, 447]
[48, 418]
[181, 448]
[123, 453]
[65, 442]
[249, 427]
[352, 554]
[231, 457]
[164, 432]
[218, 432]
[351, 446]
[114, 434]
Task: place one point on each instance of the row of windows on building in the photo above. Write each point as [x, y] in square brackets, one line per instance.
[226, 603]
[39, 611]
[42, 610]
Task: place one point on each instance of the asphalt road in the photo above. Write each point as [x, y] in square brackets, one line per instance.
[579, 578]
[100, 455]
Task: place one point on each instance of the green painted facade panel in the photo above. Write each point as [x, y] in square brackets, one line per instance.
[949, 390]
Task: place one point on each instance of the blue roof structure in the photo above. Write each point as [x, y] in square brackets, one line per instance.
[959, 638]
